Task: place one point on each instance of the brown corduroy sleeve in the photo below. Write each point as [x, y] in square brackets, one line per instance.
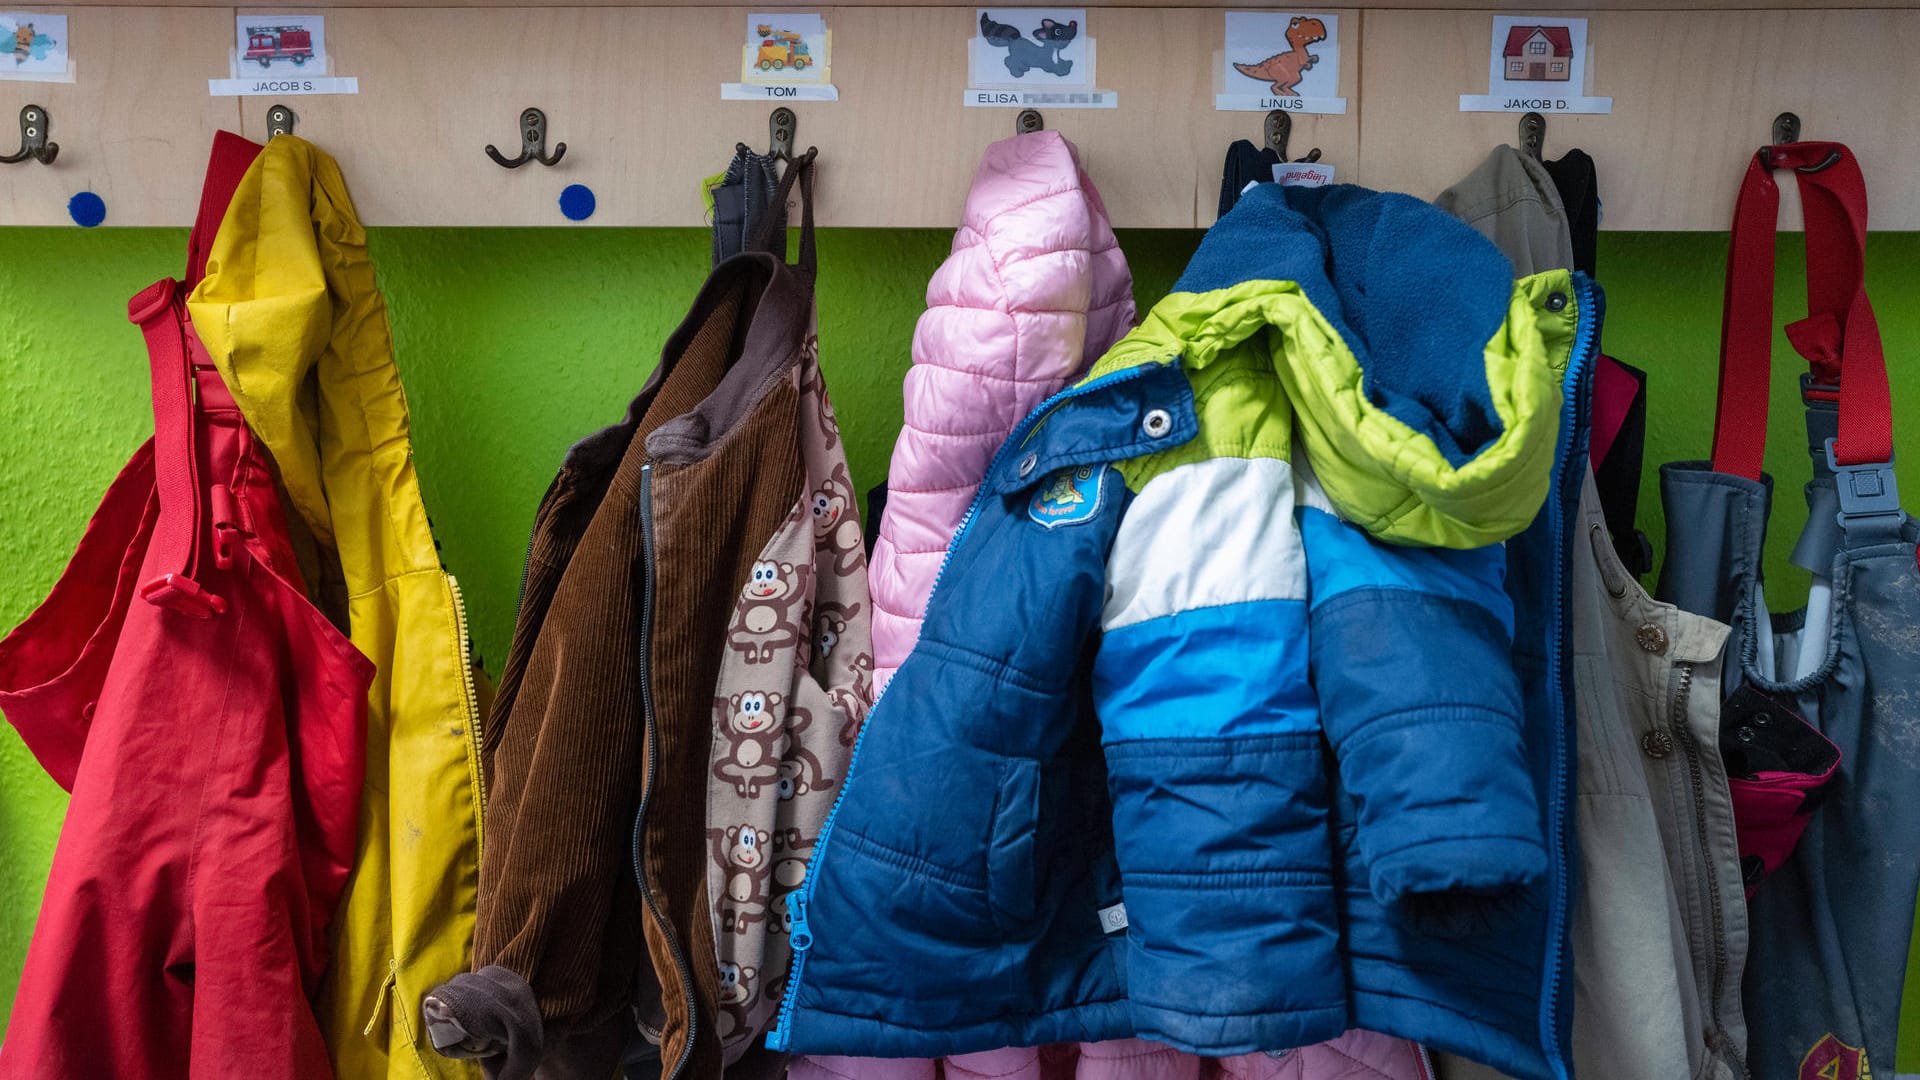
[558, 903]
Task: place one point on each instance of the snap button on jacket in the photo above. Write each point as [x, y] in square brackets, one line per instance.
[208, 720]
[292, 318]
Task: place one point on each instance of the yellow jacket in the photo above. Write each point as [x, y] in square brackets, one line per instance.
[291, 316]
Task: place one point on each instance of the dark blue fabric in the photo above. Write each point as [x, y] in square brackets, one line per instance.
[1228, 878]
[972, 852]
[1468, 833]
[1415, 293]
[1098, 423]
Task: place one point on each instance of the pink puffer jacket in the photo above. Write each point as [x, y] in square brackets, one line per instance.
[1033, 293]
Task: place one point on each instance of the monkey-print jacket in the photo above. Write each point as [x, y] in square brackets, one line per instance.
[1202, 745]
[690, 669]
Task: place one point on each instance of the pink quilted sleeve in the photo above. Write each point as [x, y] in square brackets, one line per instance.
[1033, 292]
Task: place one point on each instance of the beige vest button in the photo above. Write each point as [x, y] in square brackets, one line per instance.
[1657, 744]
[1651, 637]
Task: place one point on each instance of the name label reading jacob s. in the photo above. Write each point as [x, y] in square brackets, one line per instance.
[320, 84]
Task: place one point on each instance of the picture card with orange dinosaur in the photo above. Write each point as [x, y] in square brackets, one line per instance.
[1537, 64]
[1280, 60]
[1033, 58]
[786, 57]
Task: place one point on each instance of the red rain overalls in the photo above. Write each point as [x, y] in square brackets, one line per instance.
[209, 722]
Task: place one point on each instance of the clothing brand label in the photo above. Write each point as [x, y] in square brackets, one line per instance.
[1303, 174]
[1113, 919]
[1069, 497]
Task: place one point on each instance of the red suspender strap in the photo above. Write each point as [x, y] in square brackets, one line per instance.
[160, 312]
[232, 157]
[1838, 336]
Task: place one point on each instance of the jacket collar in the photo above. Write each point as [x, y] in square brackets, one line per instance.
[1130, 413]
[768, 304]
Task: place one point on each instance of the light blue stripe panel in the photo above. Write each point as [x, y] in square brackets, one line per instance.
[1235, 669]
[1341, 557]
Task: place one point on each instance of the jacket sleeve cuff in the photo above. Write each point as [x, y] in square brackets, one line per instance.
[1422, 708]
[490, 1015]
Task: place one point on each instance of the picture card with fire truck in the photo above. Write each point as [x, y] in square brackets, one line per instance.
[786, 57]
[1537, 64]
[1033, 58]
[278, 55]
[1280, 60]
[33, 47]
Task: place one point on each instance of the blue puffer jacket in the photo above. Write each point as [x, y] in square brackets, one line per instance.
[1184, 752]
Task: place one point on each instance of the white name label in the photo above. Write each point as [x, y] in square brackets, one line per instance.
[735, 91]
[1113, 919]
[1523, 103]
[977, 98]
[1269, 102]
[276, 86]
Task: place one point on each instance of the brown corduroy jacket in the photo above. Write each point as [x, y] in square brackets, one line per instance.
[690, 667]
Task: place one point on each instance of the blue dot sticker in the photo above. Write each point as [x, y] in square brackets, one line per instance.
[87, 209]
[577, 202]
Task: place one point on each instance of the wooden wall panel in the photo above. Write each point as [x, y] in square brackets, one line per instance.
[1694, 95]
[1516, 6]
[634, 92]
[1156, 159]
[134, 129]
[437, 86]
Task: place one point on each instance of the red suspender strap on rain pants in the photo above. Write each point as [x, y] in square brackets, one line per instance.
[210, 724]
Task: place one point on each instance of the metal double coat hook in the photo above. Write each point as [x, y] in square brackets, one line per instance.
[1279, 131]
[34, 143]
[533, 143]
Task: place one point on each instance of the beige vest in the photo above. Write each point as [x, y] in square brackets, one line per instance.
[1660, 922]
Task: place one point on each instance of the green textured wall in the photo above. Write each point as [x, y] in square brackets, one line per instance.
[514, 342]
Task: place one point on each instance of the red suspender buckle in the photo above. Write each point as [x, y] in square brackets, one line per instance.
[180, 593]
[149, 302]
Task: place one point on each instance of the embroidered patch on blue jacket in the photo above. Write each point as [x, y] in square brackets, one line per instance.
[1068, 497]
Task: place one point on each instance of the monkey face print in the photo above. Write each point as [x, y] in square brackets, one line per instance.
[1030, 47]
[793, 689]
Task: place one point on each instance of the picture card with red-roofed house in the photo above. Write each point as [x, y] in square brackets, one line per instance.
[1537, 64]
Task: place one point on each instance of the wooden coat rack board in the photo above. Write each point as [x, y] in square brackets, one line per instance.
[633, 90]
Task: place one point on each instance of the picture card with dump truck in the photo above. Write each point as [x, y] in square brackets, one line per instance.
[785, 58]
[1033, 58]
[1280, 60]
[1537, 64]
[277, 55]
[35, 47]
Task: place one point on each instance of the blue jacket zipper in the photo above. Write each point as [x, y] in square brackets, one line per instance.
[781, 1035]
[1567, 490]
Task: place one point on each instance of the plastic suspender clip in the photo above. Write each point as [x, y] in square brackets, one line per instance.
[1868, 493]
